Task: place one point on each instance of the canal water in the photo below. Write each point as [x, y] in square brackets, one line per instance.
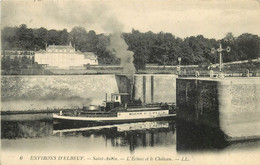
[36, 139]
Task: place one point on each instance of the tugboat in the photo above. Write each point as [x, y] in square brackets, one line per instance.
[118, 110]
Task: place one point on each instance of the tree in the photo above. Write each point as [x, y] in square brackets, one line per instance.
[137, 44]
[158, 48]
[64, 37]
[186, 55]
[25, 36]
[231, 41]
[9, 38]
[248, 46]
[40, 38]
[6, 63]
[78, 37]
[25, 61]
[101, 51]
[229, 37]
[53, 37]
[15, 64]
[91, 41]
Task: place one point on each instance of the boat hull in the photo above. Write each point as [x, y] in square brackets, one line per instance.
[58, 118]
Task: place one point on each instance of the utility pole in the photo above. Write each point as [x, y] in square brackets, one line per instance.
[179, 59]
[179, 66]
[220, 50]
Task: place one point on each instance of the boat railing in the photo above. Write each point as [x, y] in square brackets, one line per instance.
[102, 115]
[98, 114]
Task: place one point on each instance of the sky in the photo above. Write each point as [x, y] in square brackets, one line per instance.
[182, 18]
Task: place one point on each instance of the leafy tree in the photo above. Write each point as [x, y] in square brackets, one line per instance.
[25, 36]
[53, 37]
[157, 48]
[230, 40]
[6, 63]
[186, 55]
[25, 61]
[91, 41]
[100, 49]
[64, 37]
[9, 38]
[78, 37]
[248, 46]
[229, 37]
[15, 64]
[40, 38]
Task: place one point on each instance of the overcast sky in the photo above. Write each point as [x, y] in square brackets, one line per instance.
[211, 18]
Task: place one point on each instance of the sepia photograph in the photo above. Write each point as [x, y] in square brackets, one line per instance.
[169, 82]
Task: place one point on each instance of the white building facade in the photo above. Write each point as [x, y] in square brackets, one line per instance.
[65, 57]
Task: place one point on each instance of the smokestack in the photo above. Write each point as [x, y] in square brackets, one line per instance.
[131, 80]
[152, 88]
[144, 89]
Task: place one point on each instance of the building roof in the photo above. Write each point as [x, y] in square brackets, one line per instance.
[67, 49]
[60, 47]
[41, 51]
[78, 52]
[17, 52]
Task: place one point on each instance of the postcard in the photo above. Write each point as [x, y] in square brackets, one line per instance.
[130, 82]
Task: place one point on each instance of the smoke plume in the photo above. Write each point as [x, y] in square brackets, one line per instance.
[119, 46]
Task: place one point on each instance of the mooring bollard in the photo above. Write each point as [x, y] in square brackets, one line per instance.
[247, 73]
[211, 73]
[197, 74]
[221, 75]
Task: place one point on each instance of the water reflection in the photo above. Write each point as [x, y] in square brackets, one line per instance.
[39, 132]
[156, 133]
[132, 135]
[25, 129]
[194, 137]
[26, 126]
